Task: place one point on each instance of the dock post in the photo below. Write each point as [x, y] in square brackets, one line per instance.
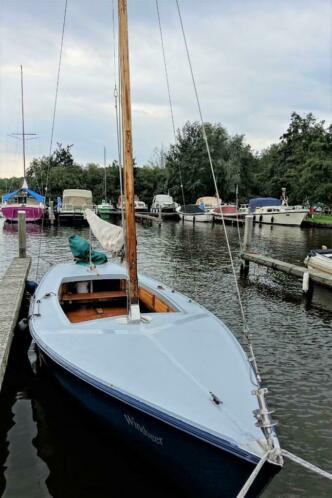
[22, 242]
[51, 212]
[159, 217]
[248, 226]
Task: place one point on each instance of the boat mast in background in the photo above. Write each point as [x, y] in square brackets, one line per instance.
[130, 224]
[23, 131]
[105, 194]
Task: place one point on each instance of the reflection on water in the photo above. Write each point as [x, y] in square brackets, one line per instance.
[50, 447]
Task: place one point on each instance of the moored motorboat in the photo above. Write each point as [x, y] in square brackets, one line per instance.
[320, 260]
[229, 213]
[74, 202]
[105, 208]
[140, 206]
[193, 213]
[276, 211]
[163, 203]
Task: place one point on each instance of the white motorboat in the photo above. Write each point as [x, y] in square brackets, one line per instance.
[74, 202]
[320, 260]
[140, 206]
[276, 211]
[164, 203]
[194, 213]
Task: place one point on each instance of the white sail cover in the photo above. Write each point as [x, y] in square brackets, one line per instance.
[110, 236]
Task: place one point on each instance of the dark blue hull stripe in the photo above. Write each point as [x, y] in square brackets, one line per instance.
[147, 409]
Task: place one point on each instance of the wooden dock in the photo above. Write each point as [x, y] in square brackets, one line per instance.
[11, 293]
[295, 270]
[308, 276]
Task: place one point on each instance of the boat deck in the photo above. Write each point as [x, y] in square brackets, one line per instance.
[95, 312]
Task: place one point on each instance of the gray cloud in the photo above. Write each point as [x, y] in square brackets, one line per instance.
[255, 62]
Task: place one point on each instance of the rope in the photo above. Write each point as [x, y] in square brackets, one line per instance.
[237, 217]
[58, 76]
[53, 124]
[174, 133]
[287, 454]
[252, 476]
[244, 321]
[169, 92]
[307, 465]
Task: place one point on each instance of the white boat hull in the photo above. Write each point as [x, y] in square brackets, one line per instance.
[291, 218]
[319, 262]
[196, 218]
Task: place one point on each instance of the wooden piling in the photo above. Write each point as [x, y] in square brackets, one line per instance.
[249, 223]
[11, 293]
[248, 226]
[51, 216]
[159, 217]
[22, 243]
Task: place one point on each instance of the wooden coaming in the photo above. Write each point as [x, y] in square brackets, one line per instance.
[98, 304]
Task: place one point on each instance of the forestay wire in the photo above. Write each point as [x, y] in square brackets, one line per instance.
[174, 130]
[53, 123]
[169, 92]
[244, 321]
[260, 394]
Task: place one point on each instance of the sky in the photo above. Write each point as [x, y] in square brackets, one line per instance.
[255, 62]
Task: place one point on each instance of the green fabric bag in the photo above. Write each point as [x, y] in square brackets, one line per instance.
[81, 251]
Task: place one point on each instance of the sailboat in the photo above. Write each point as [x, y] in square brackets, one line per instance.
[23, 199]
[155, 366]
[105, 208]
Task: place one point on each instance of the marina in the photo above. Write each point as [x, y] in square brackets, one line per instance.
[267, 301]
[168, 316]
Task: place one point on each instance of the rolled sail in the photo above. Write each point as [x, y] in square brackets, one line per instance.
[110, 236]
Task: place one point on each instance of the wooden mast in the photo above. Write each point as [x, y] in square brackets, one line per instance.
[130, 224]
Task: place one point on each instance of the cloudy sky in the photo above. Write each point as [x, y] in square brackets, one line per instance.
[255, 62]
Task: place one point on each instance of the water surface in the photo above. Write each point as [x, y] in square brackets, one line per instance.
[50, 447]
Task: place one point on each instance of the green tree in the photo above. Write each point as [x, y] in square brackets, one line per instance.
[233, 161]
[301, 162]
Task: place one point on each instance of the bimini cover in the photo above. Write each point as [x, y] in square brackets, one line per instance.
[31, 193]
[77, 197]
[191, 209]
[208, 201]
[263, 202]
[110, 236]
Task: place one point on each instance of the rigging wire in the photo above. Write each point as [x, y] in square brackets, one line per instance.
[244, 321]
[58, 76]
[118, 116]
[174, 132]
[53, 122]
[237, 217]
[169, 91]
[264, 420]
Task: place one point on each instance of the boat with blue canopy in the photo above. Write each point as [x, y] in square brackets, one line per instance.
[276, 211]
[23, 199]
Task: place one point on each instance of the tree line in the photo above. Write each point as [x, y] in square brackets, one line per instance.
[301, 161]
